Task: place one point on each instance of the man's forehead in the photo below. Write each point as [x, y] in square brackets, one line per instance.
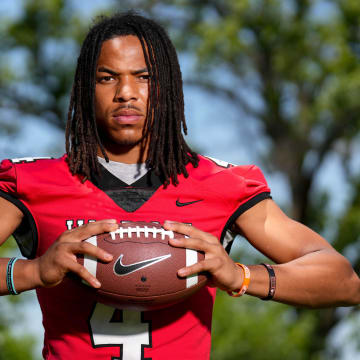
[122, 51]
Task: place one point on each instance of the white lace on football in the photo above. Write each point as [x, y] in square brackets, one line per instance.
[142, 231]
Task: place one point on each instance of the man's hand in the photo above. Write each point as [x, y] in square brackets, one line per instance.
[223, 272]
[51, 268]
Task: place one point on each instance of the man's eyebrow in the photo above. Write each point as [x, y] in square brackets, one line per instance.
[112, 72]
[140, 71]
[109, 71]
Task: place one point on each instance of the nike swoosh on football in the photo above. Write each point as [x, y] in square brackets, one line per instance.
[121, 270]
[179, 203]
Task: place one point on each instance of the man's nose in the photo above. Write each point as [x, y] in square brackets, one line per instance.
[125, 91]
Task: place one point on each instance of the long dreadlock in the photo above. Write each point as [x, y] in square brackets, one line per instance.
[168, 152]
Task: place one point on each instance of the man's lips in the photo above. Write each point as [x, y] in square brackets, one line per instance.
[127, 116]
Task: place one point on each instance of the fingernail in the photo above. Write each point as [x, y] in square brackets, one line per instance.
[108, 256]
[112, 221]
[97, 283]
[169, 222]
[182, 272]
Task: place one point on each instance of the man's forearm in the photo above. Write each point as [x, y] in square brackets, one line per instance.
[319, 279]
[23, 274]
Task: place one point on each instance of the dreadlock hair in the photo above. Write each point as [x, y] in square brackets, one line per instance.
[168, 152]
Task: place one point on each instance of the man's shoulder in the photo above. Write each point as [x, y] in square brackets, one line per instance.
[210, 166]
[214, 163]
[35, 161]
[34, 164]
[33, 170]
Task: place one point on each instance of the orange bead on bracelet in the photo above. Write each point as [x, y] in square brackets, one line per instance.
[245, 283]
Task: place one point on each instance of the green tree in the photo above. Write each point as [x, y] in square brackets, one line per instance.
[257, 330]
[292, 68]
[37, 62]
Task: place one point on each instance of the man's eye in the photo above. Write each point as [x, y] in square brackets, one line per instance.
[144, 77]
[106, 78]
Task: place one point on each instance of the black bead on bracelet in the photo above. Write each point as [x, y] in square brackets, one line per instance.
[272, 282]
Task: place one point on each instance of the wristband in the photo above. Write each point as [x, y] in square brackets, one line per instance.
[10, 276]
[272, 282]
[245, 283]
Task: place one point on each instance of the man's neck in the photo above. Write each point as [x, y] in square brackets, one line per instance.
[130, 156]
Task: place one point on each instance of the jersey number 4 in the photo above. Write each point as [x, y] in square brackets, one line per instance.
[120, 328]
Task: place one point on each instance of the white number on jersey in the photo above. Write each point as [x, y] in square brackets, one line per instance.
[131, 333]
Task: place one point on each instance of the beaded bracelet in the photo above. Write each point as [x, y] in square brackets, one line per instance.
[10, 276]
[272, 282]
[245, 283]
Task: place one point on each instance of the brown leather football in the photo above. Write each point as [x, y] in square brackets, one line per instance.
[143, 272]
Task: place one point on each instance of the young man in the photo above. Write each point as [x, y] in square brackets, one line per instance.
[127, 160]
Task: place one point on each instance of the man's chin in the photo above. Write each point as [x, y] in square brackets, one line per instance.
[126, 143]
[123, 145]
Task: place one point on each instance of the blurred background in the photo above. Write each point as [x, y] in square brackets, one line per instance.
[270, 82]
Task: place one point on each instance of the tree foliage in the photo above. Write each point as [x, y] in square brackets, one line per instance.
[293, 68]
[38, 60]
[270, 330]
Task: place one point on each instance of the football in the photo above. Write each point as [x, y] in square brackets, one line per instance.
[143, 273]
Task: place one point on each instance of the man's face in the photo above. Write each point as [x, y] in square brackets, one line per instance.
[121, 96]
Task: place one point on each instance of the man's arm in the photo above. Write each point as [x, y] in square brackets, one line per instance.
[50, 269]
[10, 219]
[309, 271]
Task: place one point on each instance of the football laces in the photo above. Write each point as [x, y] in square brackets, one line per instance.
[144, 231]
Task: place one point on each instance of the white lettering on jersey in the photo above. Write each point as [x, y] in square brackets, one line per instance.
[79, 222]
[131, 334]
[29, 159]
[69, 224]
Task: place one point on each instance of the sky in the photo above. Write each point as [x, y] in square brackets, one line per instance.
[213, 128]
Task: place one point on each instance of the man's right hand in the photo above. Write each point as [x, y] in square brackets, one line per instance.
[51, 268]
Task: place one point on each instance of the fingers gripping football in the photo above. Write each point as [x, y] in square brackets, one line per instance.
[223, 272]
[60, 258]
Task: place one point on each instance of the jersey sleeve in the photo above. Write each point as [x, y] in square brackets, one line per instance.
[7, 177]
[26, 233]
[246, 187]
[252, 188]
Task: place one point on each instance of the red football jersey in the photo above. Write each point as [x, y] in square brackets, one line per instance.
[53, 200]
